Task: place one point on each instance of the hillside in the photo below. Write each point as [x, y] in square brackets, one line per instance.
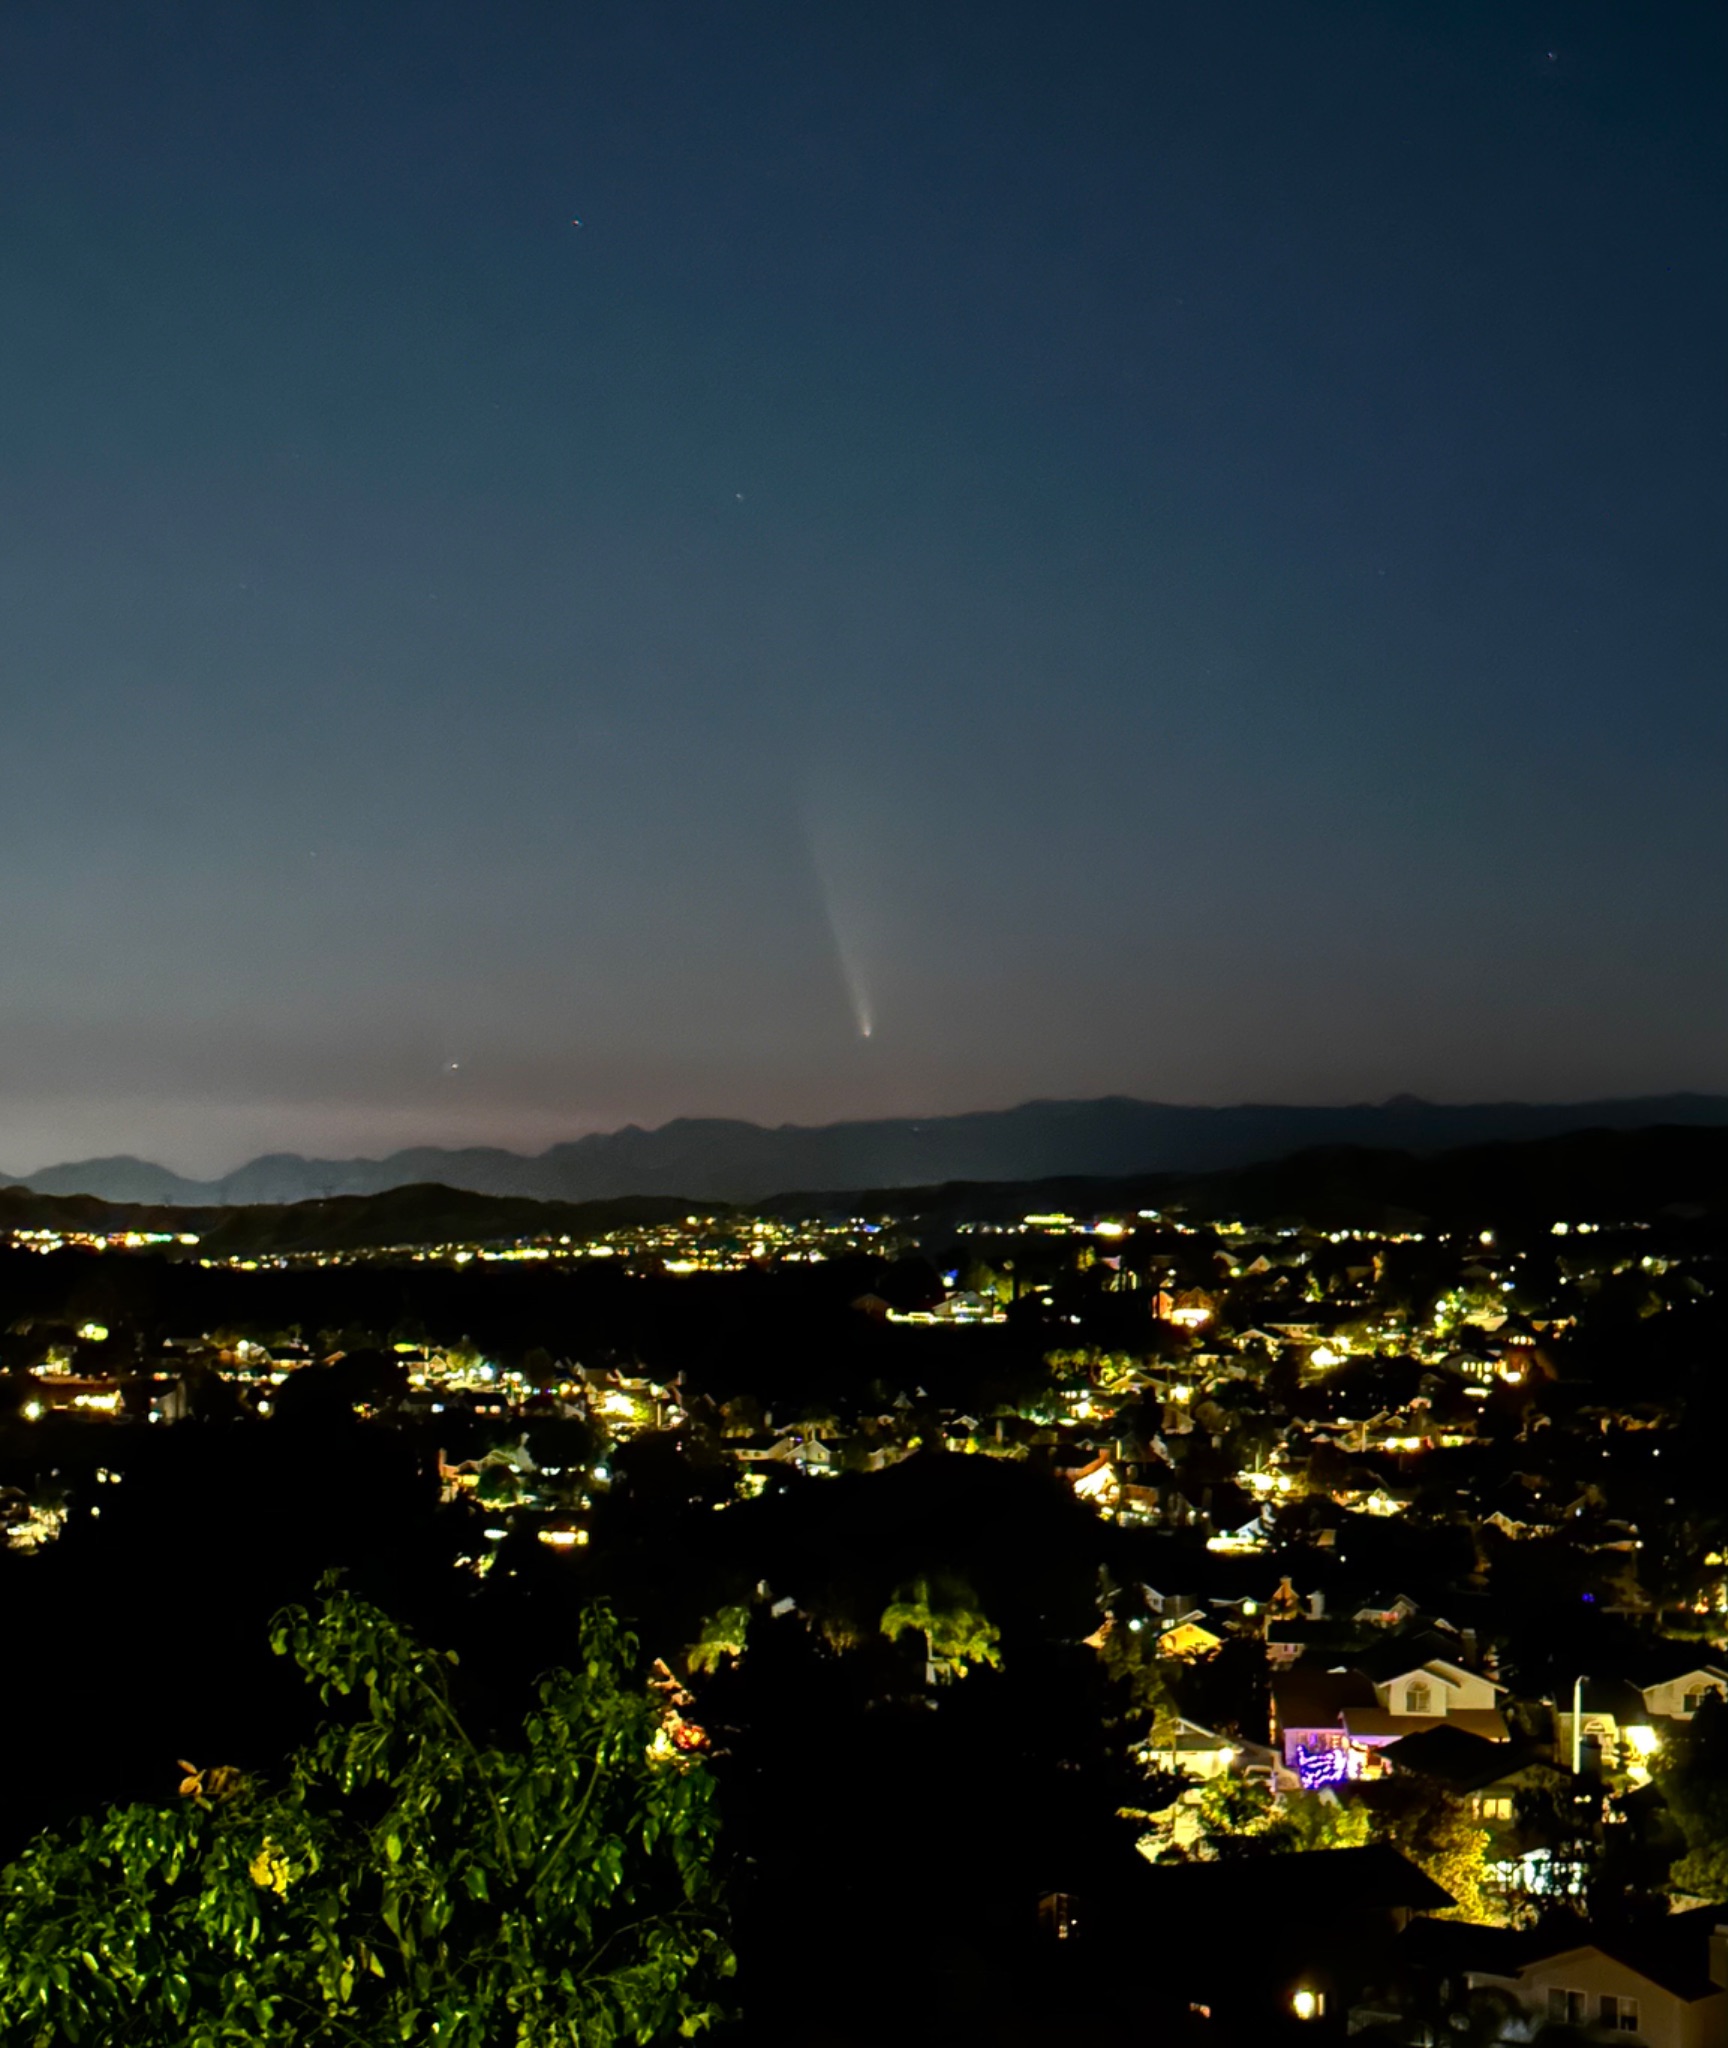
[1596, 1175]
[711, 1159]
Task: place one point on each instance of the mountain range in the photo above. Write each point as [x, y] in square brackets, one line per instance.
[718, 1159]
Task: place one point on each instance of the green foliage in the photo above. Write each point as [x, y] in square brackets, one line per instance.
[1317, 1820]
[1241, 1818]
[986, 1282]
[1132, 1664]
[405, 1885]
[1237, 1818]
[1441, 1836]
[1702, 1872]
[956, 1632]
[498, 1486]
[1694, 1786]
[1448, 2009]
[722, 1638]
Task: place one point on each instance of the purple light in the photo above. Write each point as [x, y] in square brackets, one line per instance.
[1318, 1767]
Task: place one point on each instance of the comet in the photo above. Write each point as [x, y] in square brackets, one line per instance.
[842, 931]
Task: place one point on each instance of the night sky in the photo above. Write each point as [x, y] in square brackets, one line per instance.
[1173, 549]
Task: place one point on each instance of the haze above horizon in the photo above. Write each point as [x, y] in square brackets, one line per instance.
[1012, 553]
[738, 1160]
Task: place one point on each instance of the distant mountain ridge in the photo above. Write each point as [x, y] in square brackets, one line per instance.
[1675, 1173]
[723, 1160]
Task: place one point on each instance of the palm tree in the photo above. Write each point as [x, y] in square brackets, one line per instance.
[957, 1633]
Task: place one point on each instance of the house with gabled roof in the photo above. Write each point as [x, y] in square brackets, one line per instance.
[1189, 1749]
[1418, 1681]
[1487, 1777]
[1188, 1639]
[1378, 1612]
[1662, 1985]
[1395, 1689]
[1614, 1723]
[1680, 1694]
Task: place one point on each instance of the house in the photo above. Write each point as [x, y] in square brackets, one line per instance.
[1240, 1538]
[1189, 1638]
[807, 1455]
[1095, 1481]
[1214, 1506]
[1385, 1500]
[1678, 1698]
[1664, 1985]
[1288, 1640]
[1613, 1727]
[1379, 1612]
[1417, 1680]
[1186, 1749]
[1330, 1724]
[1308, 1709]
[1267, 1945]
[1172, 1606]
[1437, 1688]
[1487, 1779]
[1514, 1530]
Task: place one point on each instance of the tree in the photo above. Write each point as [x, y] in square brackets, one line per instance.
[1449, 2012]
[405, 1884]
[1132, 1665]
[1437, 1832]
[1694, 1785]
[1323, 1820]
[946, 1614]
[1239, 1817]
[721, 1640]
[1441, 1836]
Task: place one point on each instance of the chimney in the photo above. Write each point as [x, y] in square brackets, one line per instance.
[1316, 1606]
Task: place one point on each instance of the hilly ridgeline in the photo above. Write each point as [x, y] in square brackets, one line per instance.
[720, 1160]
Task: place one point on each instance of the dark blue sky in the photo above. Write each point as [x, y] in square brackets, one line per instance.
[1163, 548]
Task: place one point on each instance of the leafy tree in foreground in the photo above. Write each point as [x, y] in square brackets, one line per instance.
[406, 1885]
